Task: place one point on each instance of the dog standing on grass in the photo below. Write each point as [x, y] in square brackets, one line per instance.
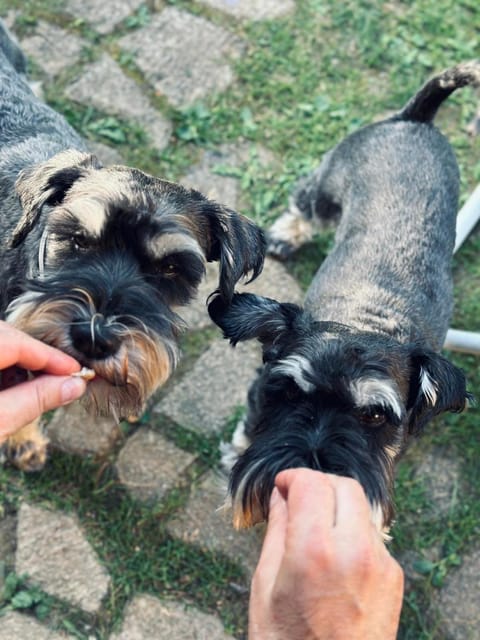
[94, 260]
[347, 381]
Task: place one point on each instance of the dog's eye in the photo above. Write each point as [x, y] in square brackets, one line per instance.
[79, 243]
[372, 417]
[167, 269]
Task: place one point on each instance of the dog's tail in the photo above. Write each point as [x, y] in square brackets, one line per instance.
[424, 104]
[11, 50]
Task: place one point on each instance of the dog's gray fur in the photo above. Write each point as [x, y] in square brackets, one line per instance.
[394, 187]
[349, 379]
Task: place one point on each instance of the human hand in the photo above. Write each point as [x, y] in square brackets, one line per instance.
[22, 403]
[324, 572]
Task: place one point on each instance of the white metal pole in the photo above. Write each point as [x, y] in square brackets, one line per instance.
[467, 218]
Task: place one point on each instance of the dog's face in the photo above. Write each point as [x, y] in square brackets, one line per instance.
[331, 399]
[110, 254]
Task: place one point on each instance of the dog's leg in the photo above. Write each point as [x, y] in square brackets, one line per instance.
[231, 451]
[27, 448]
[310, 208]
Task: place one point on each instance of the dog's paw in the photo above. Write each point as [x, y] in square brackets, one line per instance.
[279, 249]
[231, 451]
[29, 456]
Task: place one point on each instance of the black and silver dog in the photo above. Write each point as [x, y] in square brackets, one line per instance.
[348, 380]
[96, 260]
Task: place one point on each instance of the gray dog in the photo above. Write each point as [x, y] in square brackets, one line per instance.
[96, 261]
[348, 380]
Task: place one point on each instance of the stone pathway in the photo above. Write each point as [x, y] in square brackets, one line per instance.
[50, 546]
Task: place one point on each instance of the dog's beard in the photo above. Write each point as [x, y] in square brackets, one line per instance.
[344, 452]
[124, 380]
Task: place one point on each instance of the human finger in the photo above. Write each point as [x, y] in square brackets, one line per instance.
[273, 547]
[18, 348]
[352, 506]
[25, 402]
[311, 505]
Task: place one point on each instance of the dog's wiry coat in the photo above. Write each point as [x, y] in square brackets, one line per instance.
[98, 261]
[348, 379]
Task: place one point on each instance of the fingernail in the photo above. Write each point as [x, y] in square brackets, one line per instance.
[72, 389]
[275, 497]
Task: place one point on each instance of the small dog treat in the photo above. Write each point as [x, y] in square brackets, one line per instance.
[85, 373]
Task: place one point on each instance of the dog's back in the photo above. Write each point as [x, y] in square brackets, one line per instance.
[30, 132]
[24, 118]
[396, 185]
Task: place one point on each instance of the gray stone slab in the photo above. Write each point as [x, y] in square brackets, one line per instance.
[274, 282]
[185, 57]
[441, 476]
[148, 618]
[206, 523]
[102, 16]
[106, 154]
[106, 87]
[149, 465]
[16, 626]
[8, 532]
[458, 601]
[252, 9]
[204, 176]
[206, 397]
[53, 48]
[73, 430]
[53, 551]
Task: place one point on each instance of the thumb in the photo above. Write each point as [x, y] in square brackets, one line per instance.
[25, 402]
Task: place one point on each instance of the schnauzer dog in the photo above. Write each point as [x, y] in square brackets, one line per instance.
[96, 261]
[347, 381]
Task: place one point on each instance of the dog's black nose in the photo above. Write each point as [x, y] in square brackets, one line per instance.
[94, 338]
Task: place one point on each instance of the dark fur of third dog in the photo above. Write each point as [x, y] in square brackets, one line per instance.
[98, 261]
[351, 378]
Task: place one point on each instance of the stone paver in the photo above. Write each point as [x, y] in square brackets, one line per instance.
[53, 552]
[148, 618]
[53, 48]
[102, 16]
[205, 398]
[16, 626]
[173, 64]
[73, 430]
[8, 527]
[253, 9]
[106, 154]
[206, 523]
[204, 176]
[116, 93]
[458, 601]
[441, 476]
[149, 465]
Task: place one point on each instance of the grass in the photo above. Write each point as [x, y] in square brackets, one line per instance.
[304, 82]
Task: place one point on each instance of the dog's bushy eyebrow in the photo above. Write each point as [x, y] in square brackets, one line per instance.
[373, 391]
[299, 369]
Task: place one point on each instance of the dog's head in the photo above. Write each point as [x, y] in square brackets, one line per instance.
[332, 399]
[109, 254]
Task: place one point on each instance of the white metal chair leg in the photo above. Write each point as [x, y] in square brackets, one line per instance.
[468, 216]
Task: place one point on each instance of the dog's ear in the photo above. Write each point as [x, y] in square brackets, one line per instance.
[48, 183]
[237, 243]
[436, 385]
[250, 316]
